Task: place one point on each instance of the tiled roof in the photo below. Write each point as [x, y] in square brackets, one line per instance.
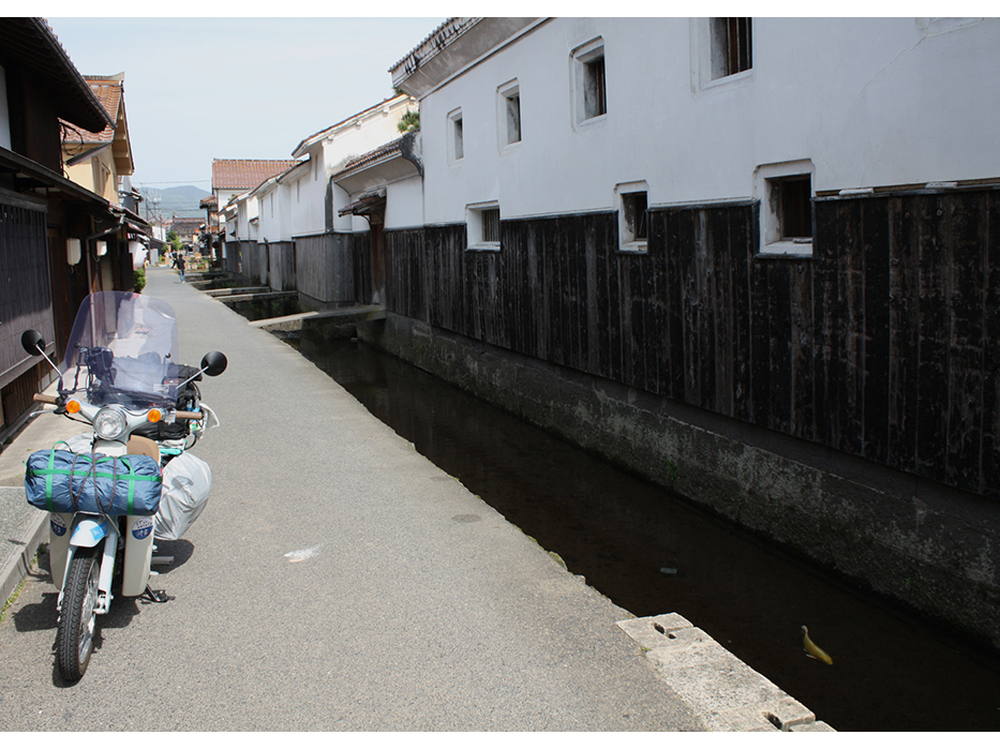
[386, 149]
[243, 174]
[449, 30]
[208, 202]
[108, 91]
[31, 43]
[182, 223]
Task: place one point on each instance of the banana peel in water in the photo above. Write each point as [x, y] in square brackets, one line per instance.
[812, 650]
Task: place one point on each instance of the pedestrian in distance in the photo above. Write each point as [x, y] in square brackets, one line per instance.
[180, 266]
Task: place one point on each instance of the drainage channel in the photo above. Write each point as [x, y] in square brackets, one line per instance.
[653, 553]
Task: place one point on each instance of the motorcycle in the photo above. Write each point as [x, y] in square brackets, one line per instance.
[103, 494]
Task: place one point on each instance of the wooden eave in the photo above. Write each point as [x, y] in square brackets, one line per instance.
[122, 145]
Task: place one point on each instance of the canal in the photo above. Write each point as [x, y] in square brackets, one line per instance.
[651, 553]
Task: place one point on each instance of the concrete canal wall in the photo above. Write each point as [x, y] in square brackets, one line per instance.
[914, 540]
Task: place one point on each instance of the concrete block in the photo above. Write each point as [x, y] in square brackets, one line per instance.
[653, 632]
[726, 692]
[815, 726]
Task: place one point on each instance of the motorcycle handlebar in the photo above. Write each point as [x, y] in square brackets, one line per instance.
[188, 415]
[45, 398]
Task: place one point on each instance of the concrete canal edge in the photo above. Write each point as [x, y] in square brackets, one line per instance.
[726, 694]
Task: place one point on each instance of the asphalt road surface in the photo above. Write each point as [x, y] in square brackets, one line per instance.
[337, 580]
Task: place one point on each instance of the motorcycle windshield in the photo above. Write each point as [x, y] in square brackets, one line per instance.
[122, 349]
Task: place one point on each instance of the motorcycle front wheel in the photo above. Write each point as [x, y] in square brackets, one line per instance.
[75, 635]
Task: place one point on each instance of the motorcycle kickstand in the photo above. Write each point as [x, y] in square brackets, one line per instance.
[159, 596]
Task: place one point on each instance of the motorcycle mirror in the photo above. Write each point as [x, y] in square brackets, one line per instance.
[33, 342]
[214, 363]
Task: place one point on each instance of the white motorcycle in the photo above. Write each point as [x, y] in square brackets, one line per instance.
[103, 493]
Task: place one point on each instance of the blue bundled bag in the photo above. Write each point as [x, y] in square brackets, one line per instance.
[61, 481]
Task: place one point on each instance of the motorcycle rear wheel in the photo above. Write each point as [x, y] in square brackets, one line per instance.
[75, 635]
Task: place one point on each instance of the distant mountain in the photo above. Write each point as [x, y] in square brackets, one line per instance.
[182, 200]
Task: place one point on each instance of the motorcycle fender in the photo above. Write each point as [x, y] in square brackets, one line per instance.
[88, 532]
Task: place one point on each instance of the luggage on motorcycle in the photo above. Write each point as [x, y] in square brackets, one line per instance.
[61, 481]
[187, 480]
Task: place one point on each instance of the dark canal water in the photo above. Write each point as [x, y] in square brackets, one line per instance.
[653, 553]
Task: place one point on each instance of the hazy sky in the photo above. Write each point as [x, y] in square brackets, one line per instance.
[202, 88]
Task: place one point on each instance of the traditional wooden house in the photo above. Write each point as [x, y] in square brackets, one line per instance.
[327, 259]
[102, 162]
[754, 259]
[304, 240]
[53, 231]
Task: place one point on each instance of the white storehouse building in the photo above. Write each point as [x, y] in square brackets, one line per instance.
[755, 259]
[302, 242]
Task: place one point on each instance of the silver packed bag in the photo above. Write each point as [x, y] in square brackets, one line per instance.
[81, 443]
[187, 480]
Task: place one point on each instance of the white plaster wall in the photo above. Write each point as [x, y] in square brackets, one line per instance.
[404, 207]
[307, 210]
[308, 214]
[869, 101]
[4, 112]
[246, 209]
[224, 196]
[372, 131]
[273, 213]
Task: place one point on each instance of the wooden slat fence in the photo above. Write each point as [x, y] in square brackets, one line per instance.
[885, 344]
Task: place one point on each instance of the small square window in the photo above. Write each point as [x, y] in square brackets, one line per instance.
[732, 45]
[482, 223]
[456, 140]
[786, 211]
[509, 113]
[633, 217]
[792, 195]
[591, 81]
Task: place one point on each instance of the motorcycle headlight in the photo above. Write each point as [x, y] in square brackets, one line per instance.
[109, 424]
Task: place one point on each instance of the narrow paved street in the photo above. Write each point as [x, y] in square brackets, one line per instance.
[336, 580]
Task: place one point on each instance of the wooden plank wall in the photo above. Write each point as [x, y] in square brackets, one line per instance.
[885, 344]
[324, 267]
[281, 266]
[360, 248]
[26, 297]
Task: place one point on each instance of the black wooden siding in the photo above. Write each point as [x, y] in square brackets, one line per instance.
[25, 290]
[885, 344]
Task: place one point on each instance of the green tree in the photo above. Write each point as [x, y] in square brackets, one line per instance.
[174, 240]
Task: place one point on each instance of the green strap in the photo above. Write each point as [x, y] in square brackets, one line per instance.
[131, 477]
[48, 479]
[99, 475]
[131, 487]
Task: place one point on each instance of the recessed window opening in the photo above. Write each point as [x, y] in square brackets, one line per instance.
[732, 45]
[457, 135]
[491, 225]
[511, 103]
[785, 191]
[794, 211]
[635, 214]
[595, 102]
[590, 81]
[482, 225]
